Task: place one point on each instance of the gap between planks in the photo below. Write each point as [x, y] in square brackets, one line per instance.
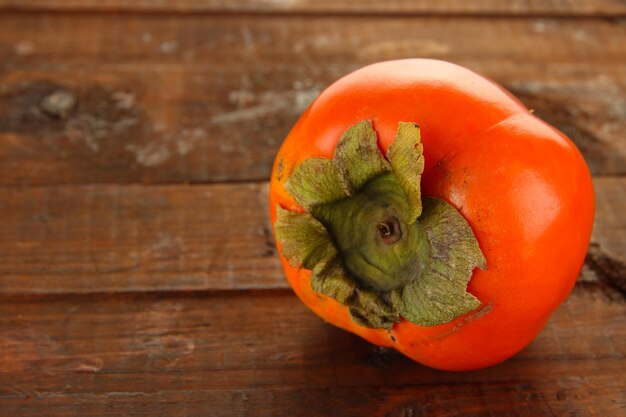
[483, 8]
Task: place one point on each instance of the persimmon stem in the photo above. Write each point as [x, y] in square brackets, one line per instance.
[371, 229]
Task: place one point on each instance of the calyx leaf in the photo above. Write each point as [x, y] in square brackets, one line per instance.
[370, 309]
[407, 163]
[315, 181]
[330, 278]
[304, 240]
[358, 158]
[440, 294]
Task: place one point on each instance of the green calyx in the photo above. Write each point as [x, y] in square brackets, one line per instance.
[370, 240]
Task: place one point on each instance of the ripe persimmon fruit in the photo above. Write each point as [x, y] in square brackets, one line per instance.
[424, 208]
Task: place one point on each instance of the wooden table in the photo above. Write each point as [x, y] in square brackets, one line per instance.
[138, 275]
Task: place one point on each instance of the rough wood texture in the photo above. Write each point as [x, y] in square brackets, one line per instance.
[210, 98]
[82, 239]
[610, 226]
[265, 354]
[136, 238]
[441, 7]
[127, 291]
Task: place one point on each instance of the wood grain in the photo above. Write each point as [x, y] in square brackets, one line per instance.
[209, 98]
[264, 353]
[442, 7]
[610, 226]
[138, 273]
[136, 238]
[129, 238]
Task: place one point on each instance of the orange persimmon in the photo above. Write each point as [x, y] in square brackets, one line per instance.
[424, 208]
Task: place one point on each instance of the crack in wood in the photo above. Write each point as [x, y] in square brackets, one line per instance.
[610, 271]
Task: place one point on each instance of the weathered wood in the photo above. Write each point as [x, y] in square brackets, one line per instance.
[606, 259]
[445, 7]
[610, 226]
[107, 238]
[121, 299]
[36, 40]
[264, 353]
[136, 238]
[153, 99]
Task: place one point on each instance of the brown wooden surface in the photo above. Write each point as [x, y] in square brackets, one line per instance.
[263, 353]
[132, 132]
[171, 99]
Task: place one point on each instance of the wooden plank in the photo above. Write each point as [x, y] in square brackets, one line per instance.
[127, 238]
[445, 7]
[210, 98]
[136, 238]
[265, 354]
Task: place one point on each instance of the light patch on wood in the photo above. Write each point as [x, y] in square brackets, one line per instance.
[152, 154]
[169, 47]
[166, 247]
[160, 318]
[248, 40]
[165, 145]
[168, 349]
[24, 48]
[269, 103]
[123, 99]
[87, 364]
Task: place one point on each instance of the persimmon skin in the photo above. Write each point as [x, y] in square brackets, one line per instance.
[522, 186]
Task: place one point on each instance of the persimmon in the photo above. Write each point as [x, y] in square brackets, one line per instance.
[424, 208]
